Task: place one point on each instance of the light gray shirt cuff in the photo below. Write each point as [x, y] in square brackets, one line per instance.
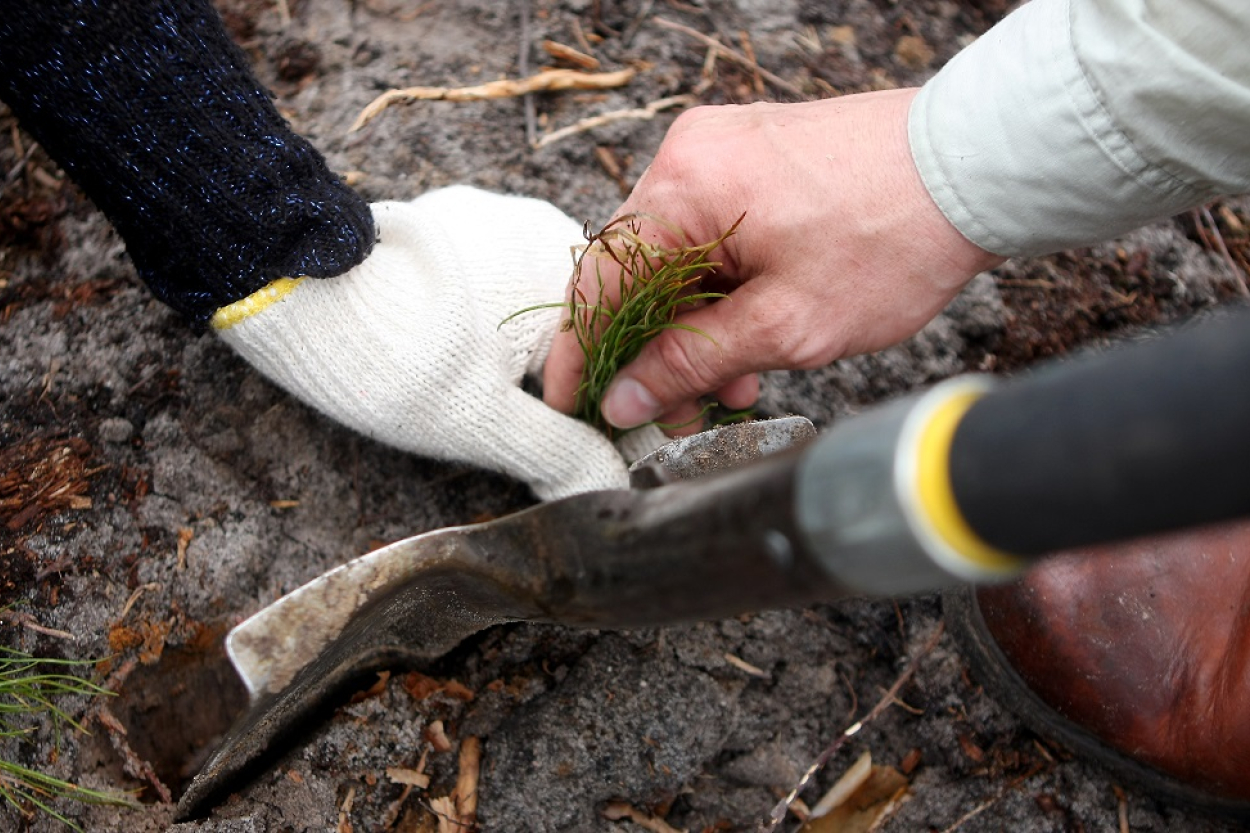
[1073, 121]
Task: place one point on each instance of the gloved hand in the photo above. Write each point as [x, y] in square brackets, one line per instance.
[407, 347]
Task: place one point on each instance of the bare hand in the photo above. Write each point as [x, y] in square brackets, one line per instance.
[842, 251]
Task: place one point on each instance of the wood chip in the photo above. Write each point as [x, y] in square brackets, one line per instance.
[185, 534]
[546, 80]
[465, 793]
[620, 810]
[345, 822]
[42, 476]
[436, 736]
[401, 775]
[444, 808]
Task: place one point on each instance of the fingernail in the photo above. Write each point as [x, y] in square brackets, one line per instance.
[628, 404]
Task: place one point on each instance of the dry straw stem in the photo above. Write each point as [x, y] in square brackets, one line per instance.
[546, 80]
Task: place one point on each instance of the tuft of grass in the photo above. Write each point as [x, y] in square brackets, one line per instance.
[29, 689]
[655, 284]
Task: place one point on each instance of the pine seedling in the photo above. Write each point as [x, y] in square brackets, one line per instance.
[654, 284]
[29, 689]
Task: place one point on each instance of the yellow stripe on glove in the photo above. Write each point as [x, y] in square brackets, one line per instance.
[258, 301]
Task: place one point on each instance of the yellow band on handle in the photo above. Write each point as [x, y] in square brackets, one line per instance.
[936, 495]
[232, 314]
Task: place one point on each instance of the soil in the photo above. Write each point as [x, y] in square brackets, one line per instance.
[154, 490]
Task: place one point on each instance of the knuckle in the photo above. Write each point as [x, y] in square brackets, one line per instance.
[685, 147]
[686, 364]
[788, 340]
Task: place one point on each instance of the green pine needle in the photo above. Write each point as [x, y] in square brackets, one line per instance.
[29, 687]
[656, 283]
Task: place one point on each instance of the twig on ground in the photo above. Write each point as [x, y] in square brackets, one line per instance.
[631, 31]
[16, 617]
[1026, 283]
[17, 169]
[992, 800]
[850, 688]
[580, 36]
[132, 764]
[707, 75]
[779, 812]
[523, 67]
[134, 597]
[566, 53]
[546, 80]
[607, 160]
[1121, 808]
[591, 122]
[748, 52]
[1217, 240]
[732, 54]
[907, 707]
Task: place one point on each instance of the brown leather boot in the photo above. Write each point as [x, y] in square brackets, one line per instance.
[1136, 655]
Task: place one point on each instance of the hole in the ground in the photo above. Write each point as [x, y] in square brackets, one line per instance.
[176, 710]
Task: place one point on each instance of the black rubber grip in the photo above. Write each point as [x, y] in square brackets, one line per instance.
[1145, 438]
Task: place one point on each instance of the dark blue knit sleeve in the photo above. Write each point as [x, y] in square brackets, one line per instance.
[154, 112]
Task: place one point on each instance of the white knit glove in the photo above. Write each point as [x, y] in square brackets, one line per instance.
[407, 348]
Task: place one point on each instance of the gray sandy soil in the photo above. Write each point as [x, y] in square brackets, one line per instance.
[203, 492]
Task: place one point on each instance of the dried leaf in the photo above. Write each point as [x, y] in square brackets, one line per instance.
[854, 778]
[866, 808]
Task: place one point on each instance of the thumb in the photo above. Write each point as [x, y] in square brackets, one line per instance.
[679, 365]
